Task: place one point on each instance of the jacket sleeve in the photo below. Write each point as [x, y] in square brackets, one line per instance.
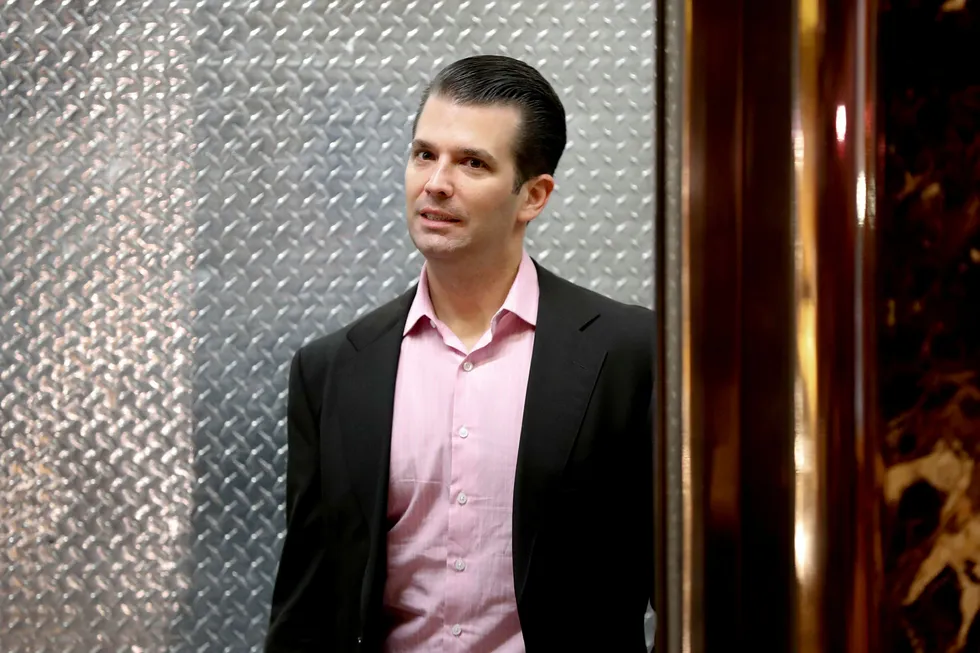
[650, 534]
[299, 596]
[647, 401]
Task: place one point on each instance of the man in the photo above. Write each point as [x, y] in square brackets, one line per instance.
[469, 466]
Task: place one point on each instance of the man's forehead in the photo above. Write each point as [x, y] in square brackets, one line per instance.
[465, 150]
[446, 123]
[444, 103]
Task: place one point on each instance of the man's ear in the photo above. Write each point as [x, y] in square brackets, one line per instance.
[534, 197]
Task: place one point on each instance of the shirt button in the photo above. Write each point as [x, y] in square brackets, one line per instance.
[463, 432]
[467, 366]
[457, 630]
[459, 565]
[461, 498]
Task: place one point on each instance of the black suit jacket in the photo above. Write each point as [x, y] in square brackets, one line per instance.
[583, 515]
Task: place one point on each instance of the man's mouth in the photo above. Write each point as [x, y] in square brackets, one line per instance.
[435, 216]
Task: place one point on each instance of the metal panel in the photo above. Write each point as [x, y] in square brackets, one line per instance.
[95, 341]
[189, 192]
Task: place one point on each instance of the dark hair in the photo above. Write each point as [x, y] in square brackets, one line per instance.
[486, 80]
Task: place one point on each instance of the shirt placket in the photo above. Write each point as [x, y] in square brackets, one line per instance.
[463, 524]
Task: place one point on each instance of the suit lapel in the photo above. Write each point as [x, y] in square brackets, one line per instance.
[367, 394]
[564, 366]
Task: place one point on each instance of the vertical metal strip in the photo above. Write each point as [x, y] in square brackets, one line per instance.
[673, 596]
[835, 517]
[807, 538]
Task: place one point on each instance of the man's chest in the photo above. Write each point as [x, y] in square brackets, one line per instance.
[457, 424]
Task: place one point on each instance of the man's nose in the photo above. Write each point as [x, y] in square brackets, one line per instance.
[440, 181]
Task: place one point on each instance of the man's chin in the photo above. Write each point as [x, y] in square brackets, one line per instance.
[438, 248]
[443, 253]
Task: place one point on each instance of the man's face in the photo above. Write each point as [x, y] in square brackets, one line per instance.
[459, 182]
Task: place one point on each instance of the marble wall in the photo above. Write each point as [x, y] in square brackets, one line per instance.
[929, 323]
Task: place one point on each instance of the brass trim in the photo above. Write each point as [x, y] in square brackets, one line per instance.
[768, 334]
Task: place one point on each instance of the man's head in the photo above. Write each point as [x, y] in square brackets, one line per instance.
[487, 139]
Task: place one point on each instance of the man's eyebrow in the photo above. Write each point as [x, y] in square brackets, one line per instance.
[478, 154]
[419, 144]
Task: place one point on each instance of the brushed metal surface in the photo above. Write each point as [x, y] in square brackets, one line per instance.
[189, 191]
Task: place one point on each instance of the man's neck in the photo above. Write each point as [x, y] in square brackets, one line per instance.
[466, 297]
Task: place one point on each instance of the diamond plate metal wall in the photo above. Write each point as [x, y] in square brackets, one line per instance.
[95, 342]
[189, 191]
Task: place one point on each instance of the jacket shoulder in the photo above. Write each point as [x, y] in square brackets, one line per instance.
[624, 323]
[316, 357]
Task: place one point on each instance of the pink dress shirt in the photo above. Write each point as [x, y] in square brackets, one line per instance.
[455, 434]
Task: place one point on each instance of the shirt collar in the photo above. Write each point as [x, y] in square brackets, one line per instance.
[522, 298]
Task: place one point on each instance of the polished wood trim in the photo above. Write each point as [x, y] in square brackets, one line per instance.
[777, 440]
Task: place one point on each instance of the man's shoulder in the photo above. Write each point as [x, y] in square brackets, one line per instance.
[336, 344]
[631, 313]
[614, 314]
[627, 325]
[625, 331]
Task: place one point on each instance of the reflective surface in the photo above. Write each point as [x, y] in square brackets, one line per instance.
[189, 191]
[776, 546]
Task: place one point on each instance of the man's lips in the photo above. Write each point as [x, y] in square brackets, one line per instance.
[435, 215]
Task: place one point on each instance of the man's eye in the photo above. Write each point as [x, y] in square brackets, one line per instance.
[474, 163]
